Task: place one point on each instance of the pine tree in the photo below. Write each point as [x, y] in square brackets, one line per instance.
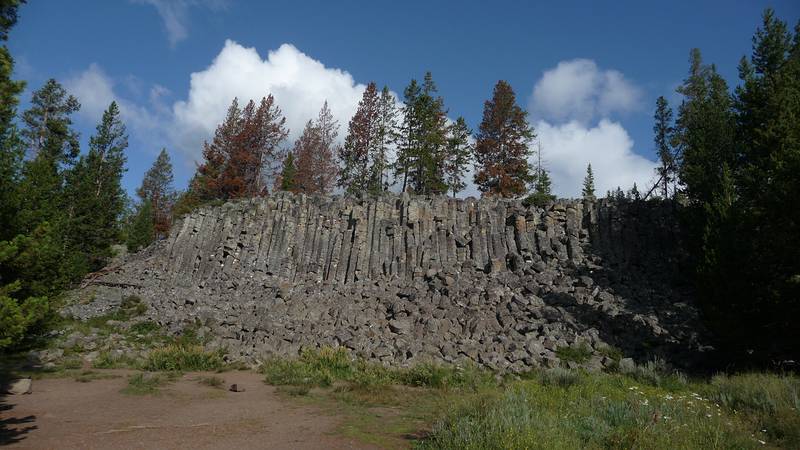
[245, 155]
[355, 175]
[19, 311]
[458, 155]
[663, 137]
[158, 190]
[95, 193]
[314, 150]
[386, 135]
[502, 145]
[588, 183]
[408, 136]
[427, 169]
[141, 232]
[542, 186]
[54, 146]
[288, 178]
[704, 130]
[422, 139]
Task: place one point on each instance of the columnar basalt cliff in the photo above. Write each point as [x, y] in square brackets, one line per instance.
[400, 279]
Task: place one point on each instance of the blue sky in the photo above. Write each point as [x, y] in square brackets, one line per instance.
[596, 67]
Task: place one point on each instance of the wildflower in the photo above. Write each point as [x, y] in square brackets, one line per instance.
[762, 442]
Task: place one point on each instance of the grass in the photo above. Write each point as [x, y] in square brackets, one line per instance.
[106, 360]
[211, 381]
[322, 367]
[145, 383]
[578, 353]
[183, 358]
[436, 406]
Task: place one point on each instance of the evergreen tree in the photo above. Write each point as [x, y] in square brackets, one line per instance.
[542, 186]
[245, 155]
[158, 190]
[502, 148]
[355, 175]
[141, 232]
[588, 183]
[54, 145]
[288, 178]
[95, 193]
[11, 150]
[422, 139]
[408, 135]
[386, 135]
[663, 137]
[19, 309]
[314, 150]
[458, 155]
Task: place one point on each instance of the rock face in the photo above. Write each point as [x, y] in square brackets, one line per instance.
[400, 279]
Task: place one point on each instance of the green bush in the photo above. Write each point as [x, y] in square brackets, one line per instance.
[177, 357]
[578, 353]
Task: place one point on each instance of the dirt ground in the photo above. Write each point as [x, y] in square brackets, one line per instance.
[62, 413]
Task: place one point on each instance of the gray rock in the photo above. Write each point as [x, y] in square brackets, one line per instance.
[18, 387]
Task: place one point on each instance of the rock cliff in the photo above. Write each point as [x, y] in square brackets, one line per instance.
[399, 279]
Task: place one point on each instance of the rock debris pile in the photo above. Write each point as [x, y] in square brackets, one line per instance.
[401, 279]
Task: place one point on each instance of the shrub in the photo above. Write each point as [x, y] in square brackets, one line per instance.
[177, 357]
[657, 373]
[559, 377]
[578, 353]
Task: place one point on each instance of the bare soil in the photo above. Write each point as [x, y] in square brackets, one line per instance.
[62, 413]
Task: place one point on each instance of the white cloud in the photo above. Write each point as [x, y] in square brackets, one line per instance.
[573, 103]
[300, 85]
[569, 147]
[175, 15]
[579, 90]
[94, 89]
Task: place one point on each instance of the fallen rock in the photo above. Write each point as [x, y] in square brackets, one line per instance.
[18, 387]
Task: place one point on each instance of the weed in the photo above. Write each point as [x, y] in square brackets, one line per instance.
[577, 353]
[559, 377]
[212, 381]
[107, 360]
[178, 357]
[145, 384]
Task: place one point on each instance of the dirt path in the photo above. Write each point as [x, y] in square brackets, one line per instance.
[66, 414]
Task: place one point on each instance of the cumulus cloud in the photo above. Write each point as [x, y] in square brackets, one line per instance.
[568, 148]
[579, 90]
[573, 103]
[95, 90]
[175, 15]
[300, 85]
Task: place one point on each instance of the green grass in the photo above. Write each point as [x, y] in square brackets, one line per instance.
[183, 358]
[322, 367]
[145, 384]
[435, 406]
[619, 411]
[105, 360]
[578, 353]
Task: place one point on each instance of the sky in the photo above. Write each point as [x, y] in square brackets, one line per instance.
[588, 72]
